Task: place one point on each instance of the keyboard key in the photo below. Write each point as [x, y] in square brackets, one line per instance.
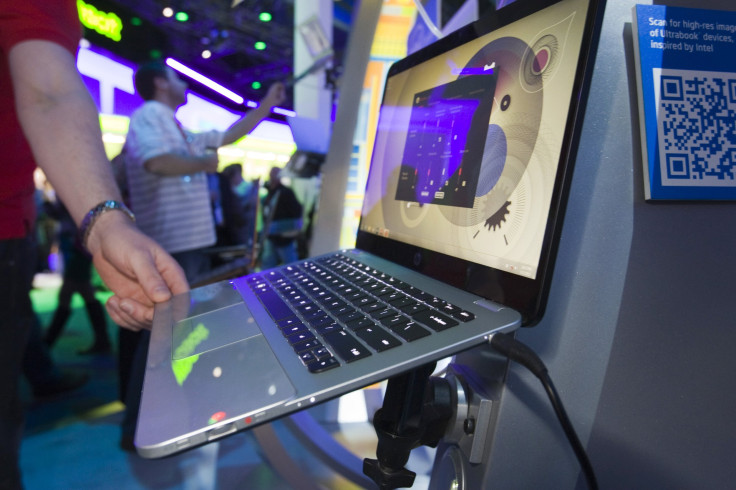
[356, 296]
[307, 357]
[319, 320]
[321, 353]
[253, 279]
[413, 308]
[293, 329]
[436, 321]
[323, 365]
[288, 322]
[410, 331]
[393, 296]
[463, 316]
[307, 345]
[391, 321]
[342, 310]
[327, 328]
[402, 301]
[308, 309]
[436, 302]
[275, 305]
[350, 316]
[381, 314]
[378, 338]
[360, 323]
[332, 302]
[372, 308]
[300, 337]
[449, 309]
[365, 300]
[346, 346]
[384, 291]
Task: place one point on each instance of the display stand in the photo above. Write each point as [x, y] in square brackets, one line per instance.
[457, 409]
[416, 411]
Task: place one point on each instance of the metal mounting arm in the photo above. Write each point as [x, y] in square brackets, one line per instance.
[416, 411]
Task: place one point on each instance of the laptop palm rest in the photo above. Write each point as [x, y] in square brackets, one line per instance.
[212, 352]
[243, 356]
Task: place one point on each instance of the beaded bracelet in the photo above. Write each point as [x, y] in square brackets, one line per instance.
[89, 220]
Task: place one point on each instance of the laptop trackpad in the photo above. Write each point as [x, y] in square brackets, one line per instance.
[237, 380]
[240, 377]
[204, 332]
[213, 365]
[219, 354]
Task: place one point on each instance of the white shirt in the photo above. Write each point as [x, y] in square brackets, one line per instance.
[173, 210]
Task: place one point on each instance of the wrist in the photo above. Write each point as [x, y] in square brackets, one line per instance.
[98, 217]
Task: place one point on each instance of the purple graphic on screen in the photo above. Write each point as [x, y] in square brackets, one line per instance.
[445, 142]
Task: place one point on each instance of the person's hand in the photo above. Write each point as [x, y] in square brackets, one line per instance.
[276, 95]
[135, 268]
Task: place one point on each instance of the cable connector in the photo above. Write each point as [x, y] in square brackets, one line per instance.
[517, 351]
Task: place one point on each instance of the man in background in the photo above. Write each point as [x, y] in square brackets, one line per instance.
[167, 166]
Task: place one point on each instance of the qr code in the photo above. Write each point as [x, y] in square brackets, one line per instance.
[696, 127]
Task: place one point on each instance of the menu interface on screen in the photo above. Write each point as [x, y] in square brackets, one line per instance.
[469, 143]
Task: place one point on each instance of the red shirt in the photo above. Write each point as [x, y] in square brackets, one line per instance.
[20, 20]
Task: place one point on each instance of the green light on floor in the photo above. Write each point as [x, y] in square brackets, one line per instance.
[260, 45]
[182, 16]
[256, 85]
[103, 411]
[265, 17]
[46, 300]
[136, 21]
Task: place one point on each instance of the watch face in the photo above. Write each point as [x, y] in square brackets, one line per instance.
[449, 472]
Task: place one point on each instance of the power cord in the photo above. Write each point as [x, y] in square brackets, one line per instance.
[517, 351]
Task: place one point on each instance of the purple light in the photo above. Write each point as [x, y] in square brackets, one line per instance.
[284, 112]
[185, 70]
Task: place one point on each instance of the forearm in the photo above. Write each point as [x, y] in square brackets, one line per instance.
[61, 124]
[276, 95]
[171, 164]
[246, 124]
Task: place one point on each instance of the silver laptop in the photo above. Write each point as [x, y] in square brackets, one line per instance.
[463, 208]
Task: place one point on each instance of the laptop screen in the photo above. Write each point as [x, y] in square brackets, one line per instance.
[474, 137]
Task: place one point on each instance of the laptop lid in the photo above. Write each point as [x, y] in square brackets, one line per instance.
[474, 149]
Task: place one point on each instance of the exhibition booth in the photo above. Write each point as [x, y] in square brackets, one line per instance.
[543, 195]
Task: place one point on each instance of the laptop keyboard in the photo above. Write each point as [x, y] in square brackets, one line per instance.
[336, 310]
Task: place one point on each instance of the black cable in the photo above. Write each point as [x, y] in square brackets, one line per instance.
[519, 352]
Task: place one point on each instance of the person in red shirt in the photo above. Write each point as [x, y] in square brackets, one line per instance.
[47, 118]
